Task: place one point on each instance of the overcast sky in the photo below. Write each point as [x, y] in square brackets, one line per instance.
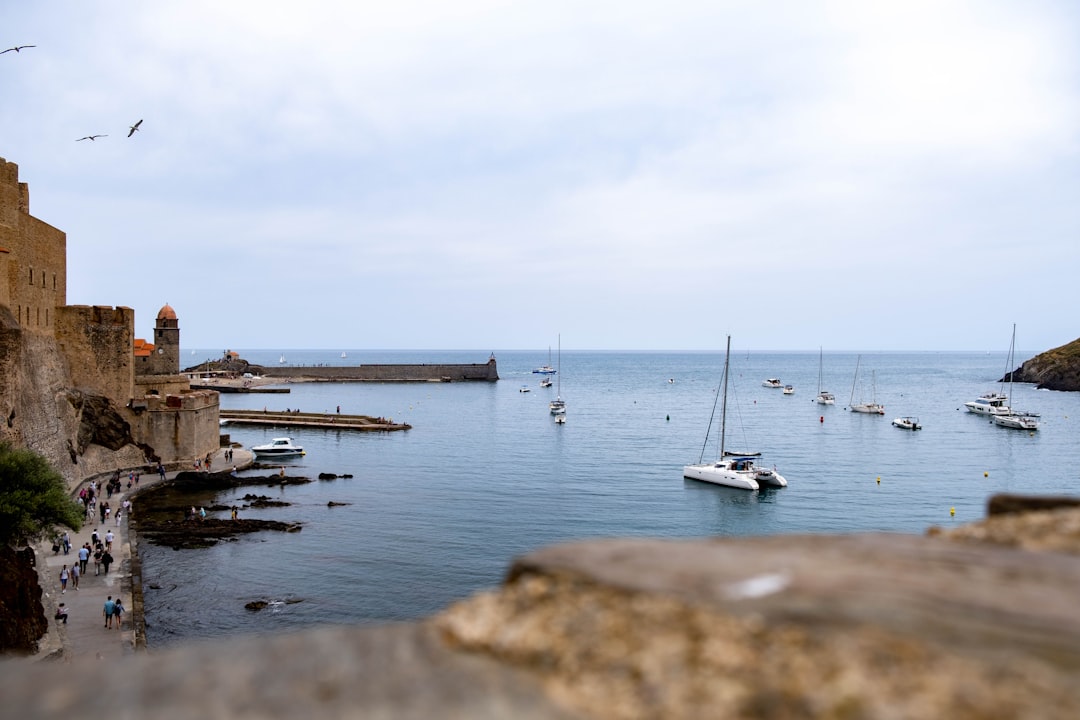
[633, 175]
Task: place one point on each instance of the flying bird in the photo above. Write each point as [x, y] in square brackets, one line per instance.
[90, 137]
[134, 128]
[17, 48]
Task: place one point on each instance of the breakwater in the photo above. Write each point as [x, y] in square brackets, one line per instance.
[422, 372]
[295, 418]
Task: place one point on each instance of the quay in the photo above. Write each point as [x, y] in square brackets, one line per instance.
[295, 418]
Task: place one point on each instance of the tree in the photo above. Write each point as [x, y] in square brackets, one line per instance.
[33, 497]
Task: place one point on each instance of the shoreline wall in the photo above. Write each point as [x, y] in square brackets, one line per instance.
[486, 372]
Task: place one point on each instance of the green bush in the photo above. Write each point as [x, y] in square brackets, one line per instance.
[33, 497]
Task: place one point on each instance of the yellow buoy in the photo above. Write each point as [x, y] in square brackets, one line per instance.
[878, 479]
[986, 474]
[952, 511]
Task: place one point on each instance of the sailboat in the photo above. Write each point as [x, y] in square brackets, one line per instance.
[558, 405]
[735, 470]
[824, 397]
[546, 369]
[1015, 419]
[871, 407]
[281, 359]
[343, 355]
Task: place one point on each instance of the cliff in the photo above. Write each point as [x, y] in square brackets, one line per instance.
[1057, 369]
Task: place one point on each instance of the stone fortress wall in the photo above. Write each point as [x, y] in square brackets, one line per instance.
[71, 387]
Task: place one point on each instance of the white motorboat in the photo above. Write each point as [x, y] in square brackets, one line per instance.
[824, 397]
[1014, 419]
[737, 470]
[546, 369]
[278, 447]
[546, 382]
[907, 423]
[789, 389]
[524, 388]
[772, 383]
[989, 404]
[870, 408]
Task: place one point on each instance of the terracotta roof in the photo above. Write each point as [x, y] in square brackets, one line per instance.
[166, 313]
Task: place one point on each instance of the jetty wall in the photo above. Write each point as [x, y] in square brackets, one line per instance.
[423, 372]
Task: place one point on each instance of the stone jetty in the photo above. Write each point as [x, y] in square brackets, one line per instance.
[335, 421]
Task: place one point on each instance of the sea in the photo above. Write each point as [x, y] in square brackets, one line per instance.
[439, 512]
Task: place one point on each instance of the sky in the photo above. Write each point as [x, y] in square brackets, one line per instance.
[494, 175]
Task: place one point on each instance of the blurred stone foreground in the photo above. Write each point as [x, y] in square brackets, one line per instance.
[978, 622]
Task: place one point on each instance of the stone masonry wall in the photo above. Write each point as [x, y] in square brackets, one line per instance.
[97, 343]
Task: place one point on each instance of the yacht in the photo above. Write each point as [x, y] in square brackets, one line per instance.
[789, 389]
[772, 383]
[907, 423]
[278, 447]
[989, 404]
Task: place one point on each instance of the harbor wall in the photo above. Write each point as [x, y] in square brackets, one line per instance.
[423, 372]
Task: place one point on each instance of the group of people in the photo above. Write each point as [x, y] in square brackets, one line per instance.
[113, 611]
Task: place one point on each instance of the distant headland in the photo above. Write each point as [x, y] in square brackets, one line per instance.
[1057, 369]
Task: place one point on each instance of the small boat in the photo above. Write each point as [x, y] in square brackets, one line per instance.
[560, 419]
[772, 383]
[789, 389]
[1015, 419]
[824, 397]
[546, 382]
[558, 405]
[907, 423]
[281, 359]
[343, 355]
[546, 369]
[524, 388]
[737, 470]
[278, 447]
[870, 408]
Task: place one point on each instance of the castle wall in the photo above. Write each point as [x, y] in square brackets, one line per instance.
[96, 342]
[33, 258]
[179, 427]
[488, 372]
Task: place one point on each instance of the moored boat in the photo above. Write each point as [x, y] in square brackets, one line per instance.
[789, 389]
[772, 383]
[278, 447]
[907, 423]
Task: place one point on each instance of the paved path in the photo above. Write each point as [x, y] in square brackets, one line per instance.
[85, 635]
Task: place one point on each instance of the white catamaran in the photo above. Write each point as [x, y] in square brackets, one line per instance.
[735, 470]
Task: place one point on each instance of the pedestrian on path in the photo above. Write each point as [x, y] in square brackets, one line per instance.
[118, 611]
[98, 552]
[61, 614]
[108, 539]
[119, 513]
[75, 576]
[84, 557]
[108, 610]
[63, 580]
[106, 561]
[67, 542]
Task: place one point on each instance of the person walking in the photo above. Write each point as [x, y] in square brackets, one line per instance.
[67, 542]
[108, 610]
[63, 580]
[118, 514]
[118, 611]
[108, 539]
[98, 551]
[75, 576]
[106, 561]
[84, 557]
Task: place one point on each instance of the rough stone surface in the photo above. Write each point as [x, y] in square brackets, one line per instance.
[1057, 369]
[22, 617]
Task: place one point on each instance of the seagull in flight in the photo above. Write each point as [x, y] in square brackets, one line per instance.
[17, 48]
[134, 128]
[90, 137]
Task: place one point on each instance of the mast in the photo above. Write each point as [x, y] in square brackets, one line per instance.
[1008, 365]
[820, 359]
[723, 406]
[854, 380]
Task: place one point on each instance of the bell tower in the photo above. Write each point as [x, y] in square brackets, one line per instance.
[166, 343]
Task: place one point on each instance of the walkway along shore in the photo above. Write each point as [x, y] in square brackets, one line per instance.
[295, 418]
[84, 635]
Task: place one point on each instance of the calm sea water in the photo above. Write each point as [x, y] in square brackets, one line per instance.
[440, 511]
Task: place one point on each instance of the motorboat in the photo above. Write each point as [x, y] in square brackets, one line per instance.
[737, 470]
[560, 419]
[278, 447]
[772, 383]
[789, 389]
[907, 423]
[989, 404]
[546, 382]
[524, 388]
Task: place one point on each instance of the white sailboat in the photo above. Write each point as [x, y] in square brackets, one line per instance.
[1015, 419]
[282, 359]
[735, 470]
[871, 408]
[546, 369]
[824, 397]
[343, 355]
[558, 405]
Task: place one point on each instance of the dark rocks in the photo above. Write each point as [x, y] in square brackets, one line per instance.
[22, 616]
[337, 504]
[256, 605]
[1057, 369]
[189, 534]
[332, 476]
[100, 422]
